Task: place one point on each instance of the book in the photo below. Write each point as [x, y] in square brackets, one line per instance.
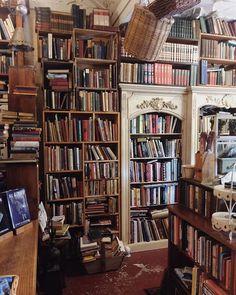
[63, 230]
[4, 218]
[17, 205]
[8, 284]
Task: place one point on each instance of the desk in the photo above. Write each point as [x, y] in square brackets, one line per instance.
[19, 256]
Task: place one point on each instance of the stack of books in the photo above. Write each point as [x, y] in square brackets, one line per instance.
[25, 140]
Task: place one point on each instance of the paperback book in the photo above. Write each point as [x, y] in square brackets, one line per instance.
[18, 209]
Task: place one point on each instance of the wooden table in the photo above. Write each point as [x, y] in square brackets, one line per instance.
[18, 255]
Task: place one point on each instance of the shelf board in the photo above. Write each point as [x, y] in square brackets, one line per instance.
[100, 196]
[14, 161]
[217, 37]
[202, 224]
[62, 200]
[63, 171]
[62, 143]
[94, 61]
[62, 34]
[100, 161]
[156, 135]
[158, 182]
[211, 60]
[95, 89]
[145, 246]
[89, 33]
[152, 159]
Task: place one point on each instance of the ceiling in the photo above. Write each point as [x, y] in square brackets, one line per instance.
[121, 10]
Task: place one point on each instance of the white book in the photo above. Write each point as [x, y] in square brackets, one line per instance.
[50, 52]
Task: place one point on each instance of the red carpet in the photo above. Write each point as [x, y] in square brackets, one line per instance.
[140, 271]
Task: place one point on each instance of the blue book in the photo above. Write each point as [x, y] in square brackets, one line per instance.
[18, 208]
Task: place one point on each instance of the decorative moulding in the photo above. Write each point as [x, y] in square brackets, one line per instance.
[220, 101]
[157, 104]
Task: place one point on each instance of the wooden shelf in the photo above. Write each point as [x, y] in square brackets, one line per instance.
[217, 37]
[212, 60]
[19, 256]
[202, 224]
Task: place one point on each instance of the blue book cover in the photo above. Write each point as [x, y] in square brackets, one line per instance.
[17, 203]
[4, 218]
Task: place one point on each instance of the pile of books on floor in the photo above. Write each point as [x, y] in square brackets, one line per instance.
[25, 140]
[101, 255]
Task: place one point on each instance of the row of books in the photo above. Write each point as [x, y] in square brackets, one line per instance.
[105, 101]
[101, 187]
[154, 171]
[101, 205]
[57, 100]
[101, 170]
[5, 63]
[145, 196]
[54, 48]
[213, 256]
[60, 187]
[58, 158]
[185, 28]
[143, 147]
[98, 152]
[146, 229]
[89, 101]
[216, 25]
[195, 281]
[220, 50]
[106, 130]
[73, 212]
[185, 53]
[47, 20]
[7, 28]
[57, 129]
[216, 75]
[154, 124]
[96, 78]
[199, 200]
[157, 73]
[101, 49]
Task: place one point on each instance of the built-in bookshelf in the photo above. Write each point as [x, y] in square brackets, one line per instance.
[208, 254]
[81, 121]
[151, 161]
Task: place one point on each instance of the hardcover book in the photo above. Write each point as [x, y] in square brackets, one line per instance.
[18, 208]
[4, 218]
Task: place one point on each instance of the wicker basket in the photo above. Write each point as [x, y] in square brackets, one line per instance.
[167, 8]
[146, 34]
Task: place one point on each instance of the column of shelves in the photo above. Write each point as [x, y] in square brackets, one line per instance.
[155, 152]
[208, 255]
[96, 94]
[81, 129]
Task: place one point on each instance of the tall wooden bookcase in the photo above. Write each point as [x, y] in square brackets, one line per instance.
[81, 122]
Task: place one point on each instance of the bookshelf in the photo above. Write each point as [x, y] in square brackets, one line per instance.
[217, 47]
[81, 133]
[177, 64]
[193, 243]
[139, 101]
